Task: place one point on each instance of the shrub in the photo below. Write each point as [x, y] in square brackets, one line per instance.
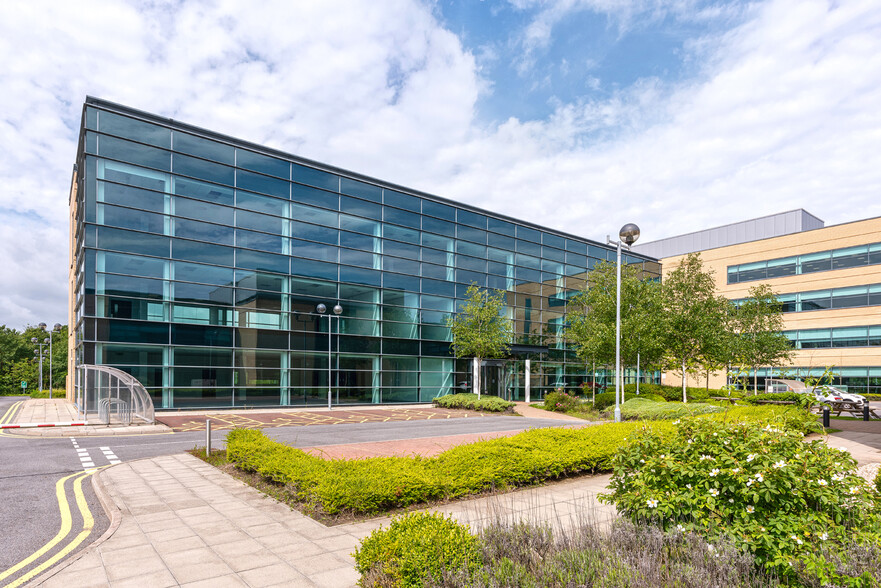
[779, 498]
[776, 396]
[383, 483]
[607, 399]
[639, 408]
[470, 401]
[560, 401]
[878, 481]
[675, 392]
[416, 547]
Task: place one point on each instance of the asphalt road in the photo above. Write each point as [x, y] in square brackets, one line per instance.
[31, 468]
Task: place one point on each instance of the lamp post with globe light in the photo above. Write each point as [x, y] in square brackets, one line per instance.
[56, 328]
[337, 310]
[40, 354]
[629, 233]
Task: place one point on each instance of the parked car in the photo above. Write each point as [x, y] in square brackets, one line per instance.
[833, 394]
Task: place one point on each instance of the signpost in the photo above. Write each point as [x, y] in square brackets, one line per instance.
[24, 385]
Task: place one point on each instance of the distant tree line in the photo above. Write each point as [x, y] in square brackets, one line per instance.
[18, 363]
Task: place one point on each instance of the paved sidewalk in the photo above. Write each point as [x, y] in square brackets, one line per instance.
[526, 410]
[60, 410]
[179, 522]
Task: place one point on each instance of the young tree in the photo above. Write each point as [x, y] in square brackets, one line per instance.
[757, 326]
[695, 317]
[590, 318]
[480, 328]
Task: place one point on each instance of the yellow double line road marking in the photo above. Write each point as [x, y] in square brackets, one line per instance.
[63, 532]
[9, 414]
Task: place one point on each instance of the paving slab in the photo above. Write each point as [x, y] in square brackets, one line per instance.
[177, 521]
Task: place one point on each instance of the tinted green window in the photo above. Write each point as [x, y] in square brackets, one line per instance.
[404, 266]
[261, 222]
[131, 219]
[472, 249]
[472, 219]
[262, 261]
[500, 226]
[204, 148]
[358, 241]
[553, 240]
[314, 233]
[528, 234]
[123, 173]
[359, 258]
[207, 274]
[400, 200]
[204, 191]
[850, 297]
[438, 226]
[319, 251]
[203, 170]
[203, 231]
[260, 203]
[264, 184]
[576, 260]
[140, 243]
[360, 207]
[203, 211]
[263, 164]
[314, 177]
[207, 356]
[201, 335]
[355, 275]
[439, 210]
[184, 292]
[438, 287]
[261, 241]
[313, 269]
[471, 234]
[438, 272]
[501, 241]
[131, 196]
[91, 118]
[554, 254]
[400, 234]
[201, 252]
[438, 257]
[131, 354]
[134, 331]
[315, 197]
[316, 216]
[123, 126]
[120, 263]
[115, 285]
[401, 217]
[134, 153]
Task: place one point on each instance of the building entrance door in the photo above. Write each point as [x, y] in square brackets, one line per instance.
[496, 378]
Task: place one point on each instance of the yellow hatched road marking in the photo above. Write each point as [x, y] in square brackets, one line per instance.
[8, 416]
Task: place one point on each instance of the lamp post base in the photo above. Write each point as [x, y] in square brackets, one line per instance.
[617, 414]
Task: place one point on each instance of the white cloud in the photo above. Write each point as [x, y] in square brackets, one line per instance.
[783, 115]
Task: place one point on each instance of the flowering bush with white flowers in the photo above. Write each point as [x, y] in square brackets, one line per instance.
[784, 500]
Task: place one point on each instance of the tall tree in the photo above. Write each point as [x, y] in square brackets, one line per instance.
[480, 329]
[695, 317]
[590, 317]
[758, 326]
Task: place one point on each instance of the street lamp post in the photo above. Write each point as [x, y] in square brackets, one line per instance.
[337, 310]
[40, 354]
[629, 233]
[56, 328]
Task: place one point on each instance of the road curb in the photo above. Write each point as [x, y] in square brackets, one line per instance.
[110, 509]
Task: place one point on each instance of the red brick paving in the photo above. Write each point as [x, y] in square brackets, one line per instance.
[426, 447]
[294, 418]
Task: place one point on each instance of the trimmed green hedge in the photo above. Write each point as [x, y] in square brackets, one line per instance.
[471, 402]
[644, 409]
[775, 396]
[607, 399]
[675, 392]
[377, 484]
[383, 483]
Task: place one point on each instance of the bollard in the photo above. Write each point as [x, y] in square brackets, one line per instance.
[866, 410]
[826, 416]
[207, 437]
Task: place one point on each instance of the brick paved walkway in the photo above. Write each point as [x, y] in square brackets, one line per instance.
[294, 418]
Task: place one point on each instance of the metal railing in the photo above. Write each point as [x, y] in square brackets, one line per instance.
[112, 395]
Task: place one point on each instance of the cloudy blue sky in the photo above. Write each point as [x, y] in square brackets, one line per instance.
[577, 114]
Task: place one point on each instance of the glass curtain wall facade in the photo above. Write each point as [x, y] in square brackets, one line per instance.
[200, 261]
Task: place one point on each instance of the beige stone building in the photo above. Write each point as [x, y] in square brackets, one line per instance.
[828, 278]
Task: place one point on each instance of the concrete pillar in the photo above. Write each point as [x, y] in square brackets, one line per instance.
[527, 376]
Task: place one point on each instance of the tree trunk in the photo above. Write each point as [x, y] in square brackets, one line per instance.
[755, 380]
[475, 378]
[684, 396]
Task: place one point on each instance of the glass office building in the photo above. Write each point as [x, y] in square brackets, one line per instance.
[198, 262]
